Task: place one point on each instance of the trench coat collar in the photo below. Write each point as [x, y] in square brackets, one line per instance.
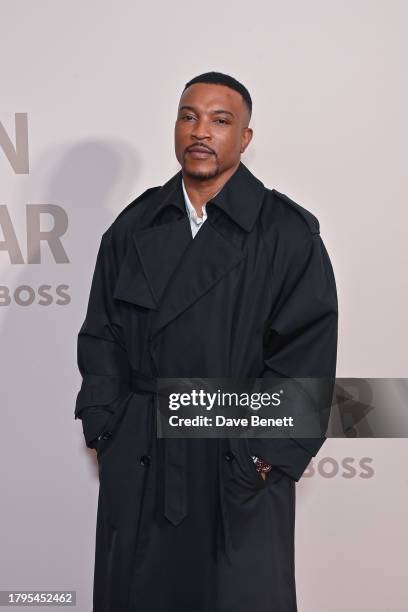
[166, 269]
[240, 197]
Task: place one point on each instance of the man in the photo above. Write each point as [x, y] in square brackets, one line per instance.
[190, 525]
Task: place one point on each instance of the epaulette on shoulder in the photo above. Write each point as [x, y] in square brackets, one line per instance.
[308, 217]
[138, 199]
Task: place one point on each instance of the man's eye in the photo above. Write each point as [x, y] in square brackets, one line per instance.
[223, 120]
[187, 117]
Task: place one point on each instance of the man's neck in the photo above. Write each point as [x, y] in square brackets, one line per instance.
[199, 192]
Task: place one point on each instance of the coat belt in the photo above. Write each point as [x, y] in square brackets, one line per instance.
[175, 468]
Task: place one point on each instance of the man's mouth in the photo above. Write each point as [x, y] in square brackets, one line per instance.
[199, 153]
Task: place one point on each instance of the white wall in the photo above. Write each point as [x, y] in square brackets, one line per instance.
[98, 83]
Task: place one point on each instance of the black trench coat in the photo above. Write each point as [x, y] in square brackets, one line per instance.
[192, 526]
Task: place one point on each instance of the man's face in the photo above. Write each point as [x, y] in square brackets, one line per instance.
[215, 118]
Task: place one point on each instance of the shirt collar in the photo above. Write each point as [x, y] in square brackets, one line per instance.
[240, 197]
[189, 206]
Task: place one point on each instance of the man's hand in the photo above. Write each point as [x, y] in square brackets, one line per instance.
[94, 443]
[262, 467]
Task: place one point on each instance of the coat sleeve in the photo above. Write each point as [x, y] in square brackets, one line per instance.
[101, 353]
[301, 342]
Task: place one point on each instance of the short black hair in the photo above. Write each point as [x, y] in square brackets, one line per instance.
[219, 78]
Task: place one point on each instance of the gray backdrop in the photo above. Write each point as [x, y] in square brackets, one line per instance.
[89, 92]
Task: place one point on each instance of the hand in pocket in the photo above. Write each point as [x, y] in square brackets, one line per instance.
[262, 466]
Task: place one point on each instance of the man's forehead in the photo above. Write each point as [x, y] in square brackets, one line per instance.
[205, 94]
[215, 111]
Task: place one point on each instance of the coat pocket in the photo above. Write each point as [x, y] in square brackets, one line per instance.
[272, 477]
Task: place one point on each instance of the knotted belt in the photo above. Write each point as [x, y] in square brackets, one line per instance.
[175, 458]
[175, 468]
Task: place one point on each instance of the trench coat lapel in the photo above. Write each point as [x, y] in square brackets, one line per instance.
[206, 260]
[166, 269]
[153, 256]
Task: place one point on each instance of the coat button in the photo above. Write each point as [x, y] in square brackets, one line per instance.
[145, 460]
[229, 455]
[105, 436]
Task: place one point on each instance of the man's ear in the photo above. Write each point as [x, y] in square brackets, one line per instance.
[246, 138]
